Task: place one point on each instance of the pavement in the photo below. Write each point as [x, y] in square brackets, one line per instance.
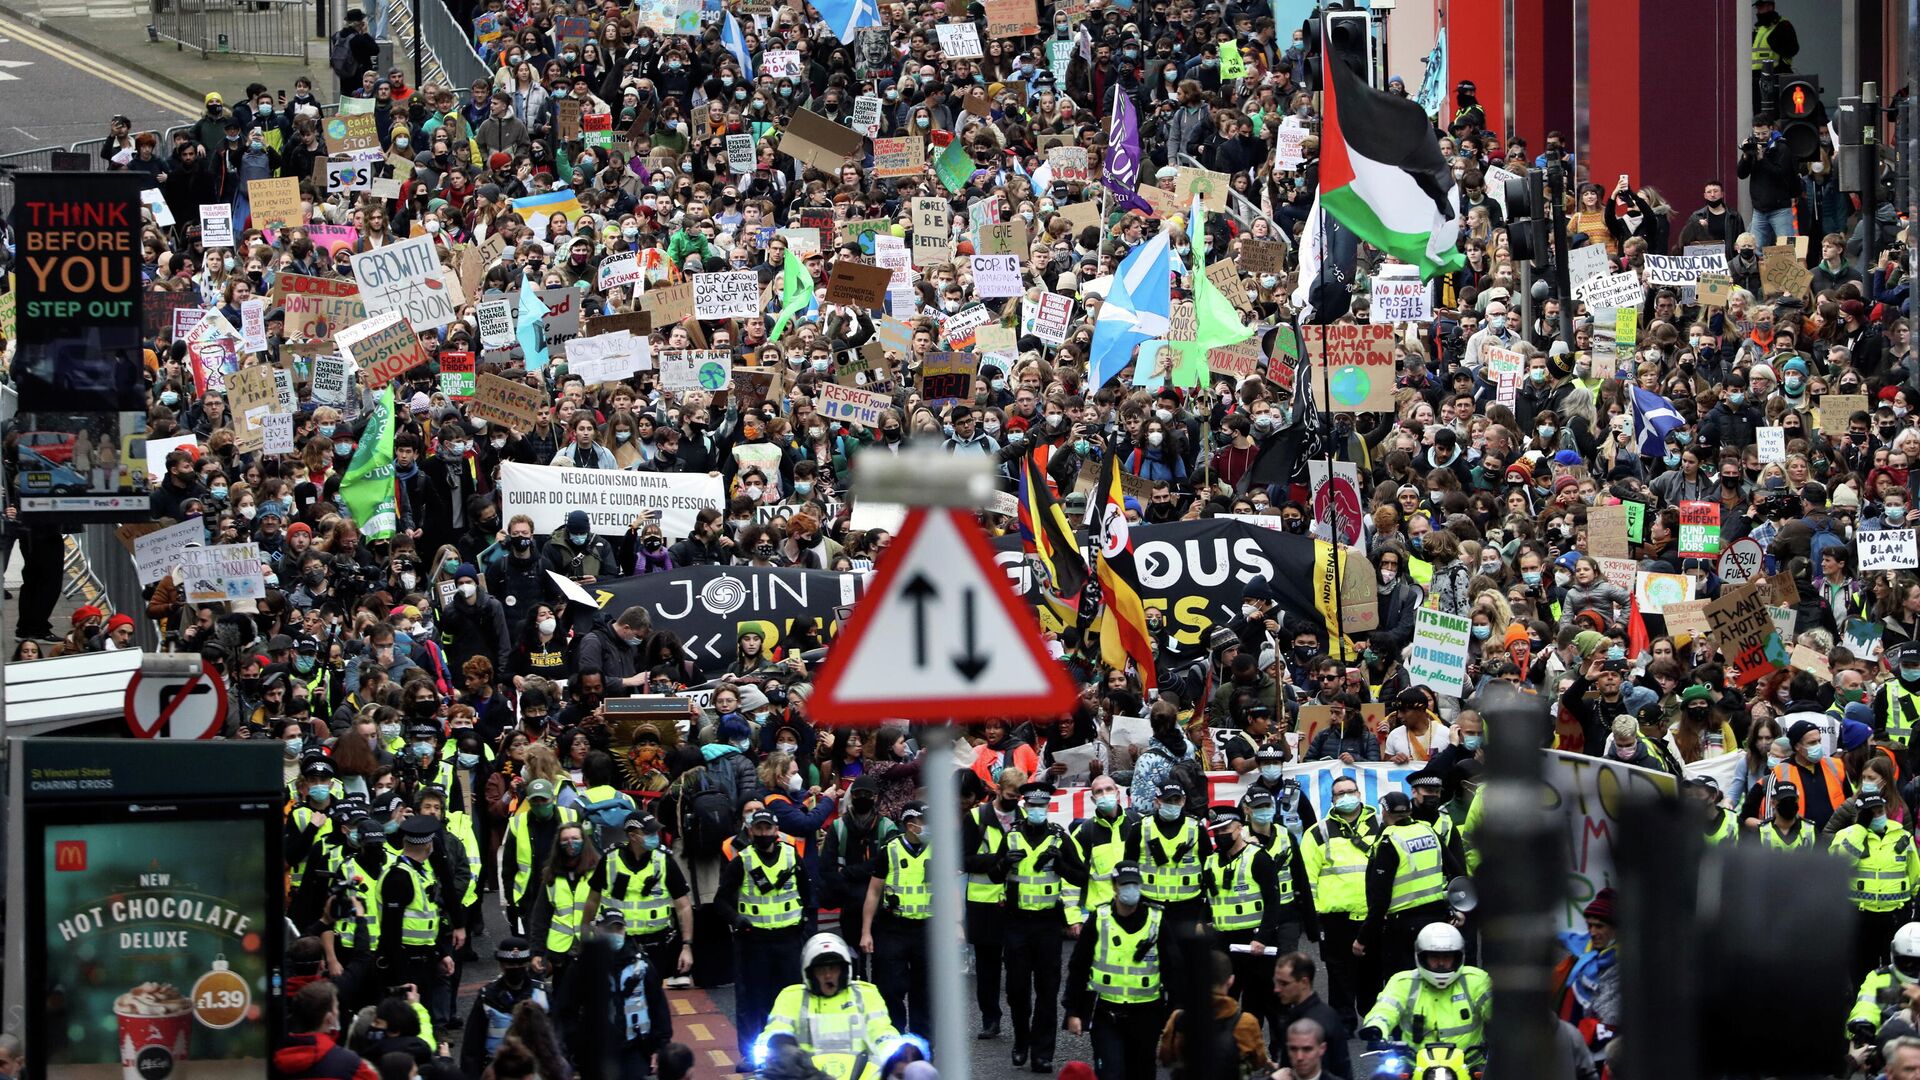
[66, 67]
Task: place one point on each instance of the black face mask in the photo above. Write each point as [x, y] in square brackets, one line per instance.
[423, 708]
[523, 543]
[765, 844]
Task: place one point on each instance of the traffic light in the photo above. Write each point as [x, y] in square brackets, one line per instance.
[1527, 220]
[1801, 114]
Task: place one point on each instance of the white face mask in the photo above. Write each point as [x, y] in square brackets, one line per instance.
[468, 589]
[547, 626]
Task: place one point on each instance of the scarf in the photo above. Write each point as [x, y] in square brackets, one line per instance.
[650, 563]
[1588, 966]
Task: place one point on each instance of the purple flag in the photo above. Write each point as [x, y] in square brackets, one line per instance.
[1120, 171]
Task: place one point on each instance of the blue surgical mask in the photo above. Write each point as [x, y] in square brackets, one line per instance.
[467, 761]
[1879, 825]
[1106, 804]
[169, 398]
[578, 538]
[1910, 674]
[1263, 816]
[304, 664]
[1869, 789]
[1127, 894]
[319, 792]
[1347, 804]
[1168, 811]
[1817, 751]
[651, 841]
[1471, 743]
[220, 492]
[1481, 630]
[1037, 815]
[803, 487]
[1545, 430]
[1531, 577]
[1672, 461]
[1737, 398]
[1271, 772]
[423, 749]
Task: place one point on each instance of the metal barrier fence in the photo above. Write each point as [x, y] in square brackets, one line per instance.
[239, 27]
[22, 161]
[451, 44]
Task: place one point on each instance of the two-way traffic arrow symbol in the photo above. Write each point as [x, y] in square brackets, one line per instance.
[921, 591]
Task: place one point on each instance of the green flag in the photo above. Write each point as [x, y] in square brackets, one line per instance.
[954, 165]
[1232, 64]
[1216, 321]
[796, 293]
[367, 487]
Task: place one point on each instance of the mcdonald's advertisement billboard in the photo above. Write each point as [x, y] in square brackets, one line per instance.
[153, 927]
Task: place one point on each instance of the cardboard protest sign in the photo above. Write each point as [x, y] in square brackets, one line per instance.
[1699, 530]
[695, 369]
[406, 278]
[1055, 315]
[1441, 646]
[385, 347]
[250, 396]
[669, 303]
[732, 294]
[349, 134]
[216, 225]
[1003, 238]
[605, 358]
[858, 285]
[1713, 290]
[1353, 367]
[1209, 185]
[566, 113]
[1263, 256]
[959, 40]
[1241, 361]
[1783, 272]
[1012, 18]
[1683, 269]
[620, 270]
[1746, 633]
[1607, 532]
[932, 235]
[1836, 410]
[947, 377]
[1069, 165]
[814, 140]
[1609, 291]
[275, 202]
[997, 276]
[1687, 617]
[894, 158]
[1399, 300]
[849, 405]
[505, 402]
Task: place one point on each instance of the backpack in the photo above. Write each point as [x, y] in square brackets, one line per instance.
[606, 821]
[709, 811]
[340, 54]
[1188, 774]
[1825, 538]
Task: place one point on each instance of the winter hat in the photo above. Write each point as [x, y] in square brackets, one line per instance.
[1588, 640]
[1696, 693]
[1601, 907]
[1799, 731]
[1763, 371]
[752, 699]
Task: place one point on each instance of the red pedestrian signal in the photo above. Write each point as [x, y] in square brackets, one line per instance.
[1799, 101]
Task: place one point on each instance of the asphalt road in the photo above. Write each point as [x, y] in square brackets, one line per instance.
[57, 95]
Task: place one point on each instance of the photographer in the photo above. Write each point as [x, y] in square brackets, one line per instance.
[1772, 176]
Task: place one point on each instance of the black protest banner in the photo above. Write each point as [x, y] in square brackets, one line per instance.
[708, 606]
[78, 285]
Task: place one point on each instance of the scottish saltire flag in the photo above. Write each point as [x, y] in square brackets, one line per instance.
[532, 341]
[845, 16]
[736, 43]
[1137, 309]
[1120, 171]
[1653, 417]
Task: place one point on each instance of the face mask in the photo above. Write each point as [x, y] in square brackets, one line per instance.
[1271, 772]
[1562, 578]
[1346, 804]
[1793, 384]
[1155, 438]
[1387, 574]
[1736, 398]
[1105, 805]
[1481, 630]
[1672, 461]
[343, 449]
[389, 732]
[1036, 815]
[922, 123]
[1168, 812]
[1127, 894]
[1249, 611]
[1471, 743]
[1497, 323]
[1879, 825]
[786, 747]
[573, 847]
[547, 626]
[1896, 513]
[1816, 752]
[229, 264]
[578, 539]
[1545, 430]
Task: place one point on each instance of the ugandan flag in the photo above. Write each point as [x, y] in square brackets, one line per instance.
[1048, 538]
[1123, 617]
[1381, 173]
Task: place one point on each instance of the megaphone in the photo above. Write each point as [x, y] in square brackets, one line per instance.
[1461, 895]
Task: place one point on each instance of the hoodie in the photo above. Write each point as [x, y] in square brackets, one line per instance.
[303, 1056]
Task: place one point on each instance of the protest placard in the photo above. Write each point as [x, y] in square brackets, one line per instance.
[1353, 367]
[1783, 272]
[866, 115]
[505, 402]
[406, 278]
[1713, 290]
[496, 323]
[223, 572]
[274, 202]
[1399, 300]
[1772, 444]
[329, 383]
[733, 294]
[1607, 532]
[1654, 591]
[858, 284]
[253, 324]
[1887, 549]
[1745, 631]
[695, 369]
[612, 499]
[1241, 361]
[740, 154]
[894, 158]
[1686, 617]
[1209, 185]
[1263, 256]
[1289, 147]
[932, 231]
[276, 433]
[156, 553]
[154, 202]
[959, 327]
[1069, 165]
[780, 63]
[959, 40]
[1441, 643]
[1002, 238]
[1699, 530]
[604, 358]
[947, 377]
[997, 276]
[566, 116]
[1585, 263]
[851, 405]
[812, 139]
[1683, 269]
[668, 304]
[1608, 291]
[347, 134]
[385, 347]
[1011, 18]
[216, 225]
[1055, 315]
[619, 270]
[1836, 410]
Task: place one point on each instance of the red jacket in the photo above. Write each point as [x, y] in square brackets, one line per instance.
[316, 1057]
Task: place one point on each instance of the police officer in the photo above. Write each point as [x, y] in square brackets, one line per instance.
[422, 758]
[611, 1008]
[457, 852]
[309, 822]
[557, 921]
[838, 1020]
[352, 935]
[983, 836]
[766, 896]
[322, 681]
[1245, 902]
[1171, 847]
[1888, 990]
[894, 918]
[1441, 1000]
[530, 832]
[1406, 881]
[1264, 830]
[1786, 829]
[647, 886]
[417, 938]
[1882, 877]
[1113, 980]
[493, 1006]
[1896, 707]
[1291, 811]
[1722, 826]
[1335, 853]
[1099, 844]
[1038, 854]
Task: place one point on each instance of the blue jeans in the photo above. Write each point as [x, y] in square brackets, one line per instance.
[1769, 226]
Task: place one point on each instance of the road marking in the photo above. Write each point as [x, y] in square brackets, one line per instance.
[163, 98]
[700, 1033]
[720, 1058]
[5, 76]
[682, 1007]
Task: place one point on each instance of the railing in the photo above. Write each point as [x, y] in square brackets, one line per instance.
[448, 42]
[1239, 207]
[235, 27]
[22, 161]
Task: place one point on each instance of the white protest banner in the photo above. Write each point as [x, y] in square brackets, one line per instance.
[695, 369]
[406, 277]
[216, 225]
[996, 276]
[619, 270]
[1772, 442]
[223, 572]
[1400, 300]
[1612, 291]
[1683, 269]
[1440, 646]
[1589, 796]
[601, 359]
[611, 498]
[1618, 571]
[496, 323]
[960, 41]
[862, 407]
[780, 63]
[329, 384]
[277, 429]
[1887, 549]
[156, 203]
[740, 155]
[158, 449]
[157, 553]
[253, 324]
[1054, 316]
[1496, 178]
[1586, 263]
[1289, 149]
[866, 115]
[1655, 591]
[734, 294]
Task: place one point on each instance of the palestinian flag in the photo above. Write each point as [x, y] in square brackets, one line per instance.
[1381, 173]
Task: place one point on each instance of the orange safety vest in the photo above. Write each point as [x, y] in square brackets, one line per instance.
[1891, 760]
[799, 842]
[1788, 773]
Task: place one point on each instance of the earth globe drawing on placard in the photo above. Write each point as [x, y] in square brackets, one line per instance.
[1664, 589]
[1348, 386]
[713, 375]
[336, 128]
